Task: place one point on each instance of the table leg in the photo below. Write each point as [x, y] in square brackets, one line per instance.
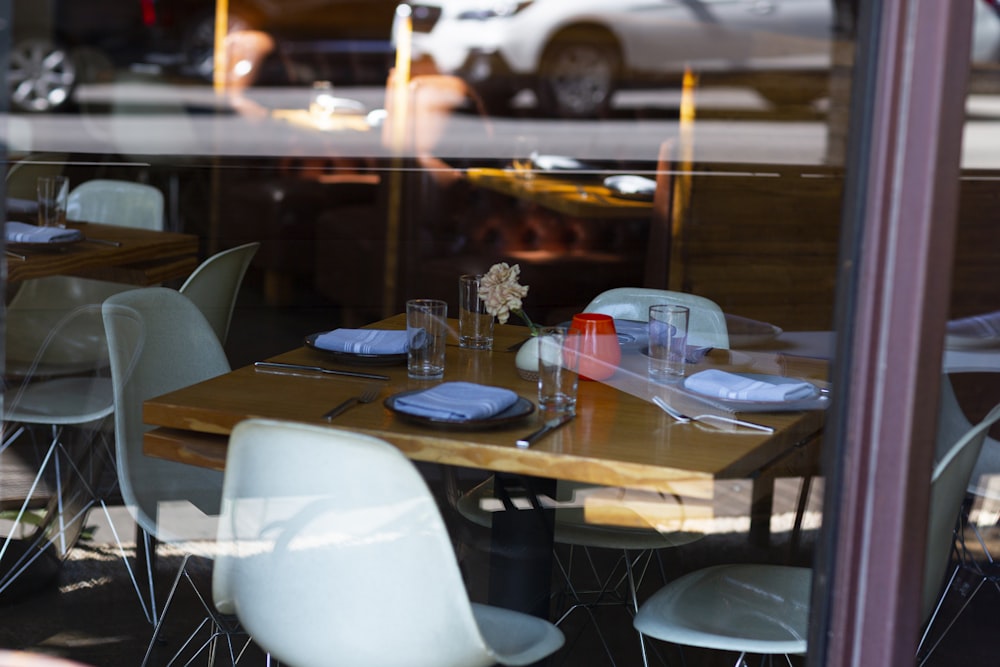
[521, 550]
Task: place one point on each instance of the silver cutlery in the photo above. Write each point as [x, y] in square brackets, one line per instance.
[683, 418]
[14, 255]
[318, 369]
[547, 428]
[367, 396]
[90, 239]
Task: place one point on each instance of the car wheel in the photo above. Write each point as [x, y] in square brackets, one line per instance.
[578, 75]
[41, 76]
[791, 90]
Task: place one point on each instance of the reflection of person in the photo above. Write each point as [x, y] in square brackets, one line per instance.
[432, 100]
[245, 53]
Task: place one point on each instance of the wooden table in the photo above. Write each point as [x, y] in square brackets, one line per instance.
[141, 256]
[617, 439]
[582, 196]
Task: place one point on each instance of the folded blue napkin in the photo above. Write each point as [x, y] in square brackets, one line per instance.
[22, 232]
[457, 401]
[363, 341]
[986, 325]
[731, 386]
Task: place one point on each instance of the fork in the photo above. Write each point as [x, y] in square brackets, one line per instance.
[683, 418]
[367, 396]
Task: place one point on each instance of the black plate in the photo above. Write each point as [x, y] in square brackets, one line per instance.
[54, 246]
[357, 359]
[521, 409]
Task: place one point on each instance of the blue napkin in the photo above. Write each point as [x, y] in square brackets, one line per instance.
[986, 325]
[22, 232]
[457, 401]
[731, 386]
[363, 341]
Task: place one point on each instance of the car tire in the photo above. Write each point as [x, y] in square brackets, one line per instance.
[578, 74]
[41, 76]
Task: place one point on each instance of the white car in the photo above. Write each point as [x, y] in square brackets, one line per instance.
[576, 53]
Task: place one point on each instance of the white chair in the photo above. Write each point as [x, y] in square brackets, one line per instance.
[115, 202]
[39, 303]
[332, 551]
[159, 341]
[215, 284]
[707, 324]
[69, 414]
[764, 609]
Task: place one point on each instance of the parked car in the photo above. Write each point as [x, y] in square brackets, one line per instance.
[575, 54]
[58, 44]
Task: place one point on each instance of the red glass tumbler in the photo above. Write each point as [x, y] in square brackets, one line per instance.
[600, 352]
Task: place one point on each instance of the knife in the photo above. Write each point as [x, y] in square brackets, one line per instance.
[319, 369]
[549, 426]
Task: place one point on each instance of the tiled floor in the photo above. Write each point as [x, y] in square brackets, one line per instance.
[91, 613]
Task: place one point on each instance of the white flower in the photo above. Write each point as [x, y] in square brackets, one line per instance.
[500, 291]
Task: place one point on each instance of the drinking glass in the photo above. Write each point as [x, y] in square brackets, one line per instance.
[426, 329]
[558, 367]
[668, 331]
[53, 194]
[600, 352]
[475, 325]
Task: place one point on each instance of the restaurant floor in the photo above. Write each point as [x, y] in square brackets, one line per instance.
[90, 612]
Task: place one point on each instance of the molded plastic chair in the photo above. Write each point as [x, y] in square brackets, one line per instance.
[312, 516]
[71, 413]
[40, 303]
[765, 608]
[707, 324]
[215, 284]
[173, 346]
[114, 202]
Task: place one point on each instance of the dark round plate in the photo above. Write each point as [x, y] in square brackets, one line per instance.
[55, 246]
[521, 409]
[357, 359]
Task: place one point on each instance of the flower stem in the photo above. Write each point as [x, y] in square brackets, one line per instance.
[527, 320]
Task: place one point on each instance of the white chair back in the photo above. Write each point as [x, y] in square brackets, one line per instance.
[158, 341]
[707, 326]
[114, 202]
[215, 284]
[333, 551]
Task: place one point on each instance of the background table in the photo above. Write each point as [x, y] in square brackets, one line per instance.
[111, 252]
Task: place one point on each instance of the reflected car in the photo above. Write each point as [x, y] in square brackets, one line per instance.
[575, 54]
[57, 43]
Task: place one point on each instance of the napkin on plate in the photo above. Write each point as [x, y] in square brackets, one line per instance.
[721, 384]
[457, 401]
[986, 325]
[22, 232]
[363, 341]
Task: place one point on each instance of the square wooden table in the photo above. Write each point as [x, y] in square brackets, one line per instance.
[617, 438]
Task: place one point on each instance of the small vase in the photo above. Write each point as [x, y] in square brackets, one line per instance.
[600, 352]
[527, 360]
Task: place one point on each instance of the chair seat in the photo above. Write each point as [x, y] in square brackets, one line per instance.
[60, 401]
[745, 607]
[516, 638]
